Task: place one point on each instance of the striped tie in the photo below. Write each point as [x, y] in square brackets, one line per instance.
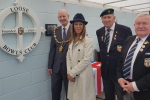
[128, 60]
[107, 37]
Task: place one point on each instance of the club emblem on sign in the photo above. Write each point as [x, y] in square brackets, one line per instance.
[119, 48]
[147, 62]
[20, 30]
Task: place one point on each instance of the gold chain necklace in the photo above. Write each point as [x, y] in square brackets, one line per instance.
[61, 47]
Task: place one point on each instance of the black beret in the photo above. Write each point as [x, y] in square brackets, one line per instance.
[107, 11]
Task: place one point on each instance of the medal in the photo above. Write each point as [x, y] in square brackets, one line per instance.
[115, 37]
[60, 48]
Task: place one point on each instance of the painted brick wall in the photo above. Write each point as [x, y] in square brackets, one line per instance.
[29, 80]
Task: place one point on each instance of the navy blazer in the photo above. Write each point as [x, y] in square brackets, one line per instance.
[57, 58]
[109, 60]
[141, 73]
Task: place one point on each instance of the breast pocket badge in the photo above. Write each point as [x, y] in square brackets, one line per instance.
[147, 62]
[119, 48]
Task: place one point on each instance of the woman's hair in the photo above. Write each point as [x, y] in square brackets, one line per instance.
[73, 33]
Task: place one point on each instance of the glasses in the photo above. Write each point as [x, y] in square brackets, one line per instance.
[144, 24]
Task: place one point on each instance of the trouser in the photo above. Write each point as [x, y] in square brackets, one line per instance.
[110, 86]
[56, 84]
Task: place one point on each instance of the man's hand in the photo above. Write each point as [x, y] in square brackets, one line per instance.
[70, 78]
[122, 82]
[49, 71]
[129, 87]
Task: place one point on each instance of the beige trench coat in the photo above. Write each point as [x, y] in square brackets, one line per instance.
[79, 67]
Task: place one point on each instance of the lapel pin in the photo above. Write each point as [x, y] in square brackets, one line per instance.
[146, 42]
[115, 37]
[141, 50]
[143, 46]
[102, 38]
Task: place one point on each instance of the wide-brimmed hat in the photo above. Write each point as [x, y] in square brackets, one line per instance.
[78, 18]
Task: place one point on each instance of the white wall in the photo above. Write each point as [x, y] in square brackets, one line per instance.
[29, 80]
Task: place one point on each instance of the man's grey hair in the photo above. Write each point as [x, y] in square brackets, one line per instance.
[140, 15]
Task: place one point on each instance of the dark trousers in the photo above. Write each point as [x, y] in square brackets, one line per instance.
[110, 86]
[56, 84]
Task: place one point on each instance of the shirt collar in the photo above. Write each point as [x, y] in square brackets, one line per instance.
[67, 26]
[144, 38]
[112, 28]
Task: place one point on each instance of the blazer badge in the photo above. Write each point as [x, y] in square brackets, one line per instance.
[119, 48]
[147, 62]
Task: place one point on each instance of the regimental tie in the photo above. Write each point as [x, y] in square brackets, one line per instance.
[128, 60]
[107, 37]
[64, 34]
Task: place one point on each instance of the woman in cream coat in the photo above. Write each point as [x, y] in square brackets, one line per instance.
[79, 69]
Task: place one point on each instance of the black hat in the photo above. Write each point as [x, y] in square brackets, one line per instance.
[107, 11]
[78, 18]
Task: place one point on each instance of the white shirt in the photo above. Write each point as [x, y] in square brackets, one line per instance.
[66, 29]
[140, 43]
[111, 35]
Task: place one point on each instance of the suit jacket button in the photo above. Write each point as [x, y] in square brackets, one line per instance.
[107, 62]
[78, 60]
[78, 49]
[108, 55]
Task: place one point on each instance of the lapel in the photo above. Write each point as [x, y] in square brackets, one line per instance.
[79, 41]
[126, 48]
[59, 34]
[102, 38]
[115, 37]
[69, 32]
[103, 35]
[68, 35]
[144, 49]
[70, 46]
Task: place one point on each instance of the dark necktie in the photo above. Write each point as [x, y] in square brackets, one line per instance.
[128, 60]
[64, 34]
[107, 37]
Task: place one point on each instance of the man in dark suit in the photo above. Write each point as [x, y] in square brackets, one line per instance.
[111, 38]
[133, 70]
[57, 56]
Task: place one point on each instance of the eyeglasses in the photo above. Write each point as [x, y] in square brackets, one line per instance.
[144, 24]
